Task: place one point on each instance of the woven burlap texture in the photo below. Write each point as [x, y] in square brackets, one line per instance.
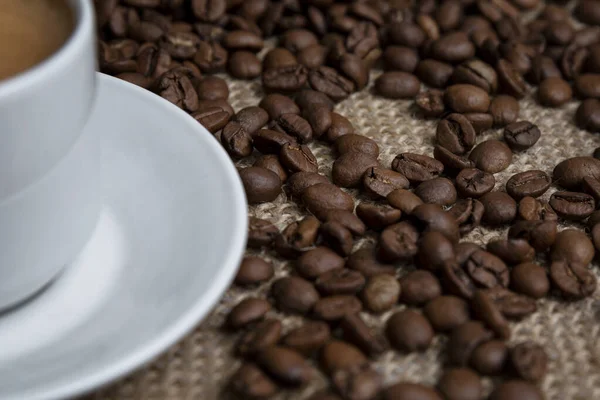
[199, 366]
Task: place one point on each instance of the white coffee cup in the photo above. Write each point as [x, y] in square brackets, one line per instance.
[49, 169]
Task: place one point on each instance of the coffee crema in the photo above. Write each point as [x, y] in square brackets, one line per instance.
[30, 32]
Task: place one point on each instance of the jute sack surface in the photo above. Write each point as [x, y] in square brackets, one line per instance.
[200, 365]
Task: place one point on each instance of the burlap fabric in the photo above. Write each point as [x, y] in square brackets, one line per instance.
[199, 366]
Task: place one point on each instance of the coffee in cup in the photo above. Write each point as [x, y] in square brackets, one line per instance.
[30, 32]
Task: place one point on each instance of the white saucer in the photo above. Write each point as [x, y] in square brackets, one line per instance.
[166, 247]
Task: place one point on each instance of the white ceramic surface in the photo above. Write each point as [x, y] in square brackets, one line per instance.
[167, 245]
[43, 110]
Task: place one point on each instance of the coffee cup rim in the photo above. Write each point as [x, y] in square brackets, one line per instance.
[51, 66]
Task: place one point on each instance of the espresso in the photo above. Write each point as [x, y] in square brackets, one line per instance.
[30, 32]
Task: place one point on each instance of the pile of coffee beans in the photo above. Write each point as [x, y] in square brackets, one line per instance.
[466, 63]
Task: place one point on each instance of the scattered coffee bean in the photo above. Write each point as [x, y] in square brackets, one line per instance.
[468, 214]
[489, 358]
[588, 115]
[338, 237]
[554, 92]
[464, 340]
[378, 216]
[277, 104]
[298, 158]
[300, 181]
[437, 191]
[400, 58]
[531, 209]
[435, 250]
[516, 389]
[455, 133]
[307, 338]
[504, 109]
[261, 232]
[460, 384]
[573, 246]
[339, 355]
[297, 237]
[381, 293]
[334, 308]
[471, 182]
[349, 168]
[253, 270]
[380, 182]
[397, 85]
[409, 391]
[285, 365]
[499, 207]
[572, 205]
[573, 280]
[340, 281]
[478, 73]
[453, 163]
[570, 173]
[249, 381]
[465, 98]
[409, 331]
[264, 334]
[521, 135]
[404, 200]
[364, 260]
[398, 242]
[352, 143]
[512, 251]
[432, 217]
[431, 103]
[416, 167]
[447, 312]
[434, 73]
[419, 287]
[247, 311]
[481, 121]
[293, 294]
[533, 183]
[356, 331]
[529, 360]
[491, 156]
[488, 311]
[261, 185]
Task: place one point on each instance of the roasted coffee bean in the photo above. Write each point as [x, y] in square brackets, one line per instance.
[334, 308]
[397, 85]
[355, 330]
[136, 79]
[486, 309]
[300, 181]
[404, 200]
[153, 62]
[437, 191]
[212, 88]
[588, 86]
[542, 68]
[434, 73]
[409, 331]
[416, 167]
[177, 87]
[285, 79]
[452, 162]
[434, 251]
[419, 287]
[204, 105]
[338, 355]
[554, 92]
[381, 293]
[364, 260]
[431, 103]
[409, 391]
[213, 119]
[260, 184]
[453, 47]
[211, 57]
[511, 304]
[464, 340]
[340, 126]
[540, 234]
[322, 197]
[348, 169]
[297, 39]
[319, 117]
[486, 270]
[236, 141]
[571, 172]
[285, 365]
[294, 294]
[251, 382]
[446, 312]
[512, 251]
[296, 126]
[313, 56]
[244, 65]
[353, 143]
[348, 220]
[457, 281]
[516, 389]
[354, 68]
[489, 358]
[278, 58]
[588, 115]
[572, 205]
[297, 158]
[491, 156]
[271, 162]
[429, 26]
[500, 208]
[277, 104]
[531, 209]
[530, 279]
[307, 338]
[468, 214]
[377, 216]
[460, 384]
[318, 261]
[253, 270]
[471, 182]
[328, 81]
[268, 141]
[573, 280]
[504, 110]
[338, 237]
[406, 33]
[465, 98]
[398, 242]
[573, 246]
[592, 187]
[180, 45]
[510, 80]
[481, 121]
[261, 232]
[477, 73]
[246, 312]
[357, 382]
[307, 97]
[433, 218]
[208, 10]
[297, 237]
[533, 183]
[380, 182]
[400, 58]
[455, 133]
[243, 40]
[529, 361]
[266, 333]
[340, 281]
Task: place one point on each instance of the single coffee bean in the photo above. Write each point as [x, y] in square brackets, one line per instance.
[540, 234]
[516, 389]
[588, 86]
[398, 242]
[212, 88]
[312, 56]
[297, 39]
[211, 57]
[322, 197]
[356, 331]
[204, 105]
[573, 246]
[253, 270]
[251, 118]
[279, 57]
[464, 340]
[431, 103]
[208, 10]
[285, 79]
[328, 81]
[261, 232]
[410, 391]
[452, 162]
[588, 115]
[446, 312]
[554, 92]
[353, 67]
[397, 85]
[453, 47]
[251, 382]
[571, 172]
[455, 133]
[339, 355]
[277, 104]
[468, 214]
[318, 261]
[477, 73]
[471, 182]
[340, 281]
[177, 87]
[465, 98]
[319, 117]
[260, 184]
[365, 261]
[338, 237]
[406, 33]
[409, 331]
[510, 80]
[380, 182]
[574, 280]
[300, 181]
[213, 119]
[136, 79]
[434, 251]
[244, 65]
[529, 360]
[488, 311]
[242, 40]
[404, 200]
[348, 220]
[348, 169]
[294, 294]
[307, 338]
[416, 167]
[511, 304]
[460, 384]
[434, 73]
[400, 58]
[307, 97]
[530, 279]
[521, 135]
[334, 308]
[489, 358]
[264, 334]
[433, 218]
[236, 141]
[481, 121]
[378, 216]
[531, 209]
[285, 365]
[592, 187]
[512, 251]
[246, 312]
[572, 205]
[504, 110]
[381, 293]
[437, 191]
[419, 287]
[340, 126]
[533, 183]
[491, 156]
[486, 270]
[542, 68]
[298, 158]
[500, 208]
[271, 162]
[357, 382]
[296, 126]
[353, 143]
